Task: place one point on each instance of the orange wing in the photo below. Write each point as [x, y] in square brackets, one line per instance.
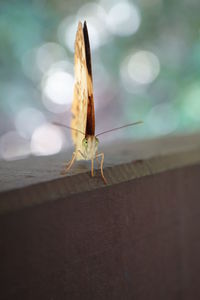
[83, 117]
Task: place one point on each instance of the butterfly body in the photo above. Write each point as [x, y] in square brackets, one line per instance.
[90, 147]
[83, 114]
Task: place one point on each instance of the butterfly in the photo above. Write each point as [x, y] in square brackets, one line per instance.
[83, 112]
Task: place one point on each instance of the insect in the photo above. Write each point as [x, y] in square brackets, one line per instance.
[83, 113]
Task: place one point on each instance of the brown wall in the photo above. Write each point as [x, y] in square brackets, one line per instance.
[135, 240]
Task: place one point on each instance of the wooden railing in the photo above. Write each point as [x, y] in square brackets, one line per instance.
[75, 238]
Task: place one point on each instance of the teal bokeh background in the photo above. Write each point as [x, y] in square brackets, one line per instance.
[146, 66]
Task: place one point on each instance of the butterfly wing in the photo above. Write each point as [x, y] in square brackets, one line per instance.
[79, 104]
[90, 124]
[83, 104]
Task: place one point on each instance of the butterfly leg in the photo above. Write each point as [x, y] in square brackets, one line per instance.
[92, 167]
[98, 164]
[71, 162]
[69, 165]
[102, 160]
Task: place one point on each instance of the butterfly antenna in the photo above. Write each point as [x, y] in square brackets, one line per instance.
[127, 125]
[68, 127]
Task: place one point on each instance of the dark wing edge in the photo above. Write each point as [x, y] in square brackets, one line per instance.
[87, 49]
[90, 125]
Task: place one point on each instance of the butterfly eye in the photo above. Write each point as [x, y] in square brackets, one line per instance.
[96, 140]
[85, 142]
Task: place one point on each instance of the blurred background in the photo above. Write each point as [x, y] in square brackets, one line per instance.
[146, 66]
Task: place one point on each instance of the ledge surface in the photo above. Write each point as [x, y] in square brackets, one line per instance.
[137, 238]
[39, 179]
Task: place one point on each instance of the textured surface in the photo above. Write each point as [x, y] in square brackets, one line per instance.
[39, 177]
[137, 240]
[21, 173]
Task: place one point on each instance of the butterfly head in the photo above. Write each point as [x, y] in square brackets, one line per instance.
[90, 146]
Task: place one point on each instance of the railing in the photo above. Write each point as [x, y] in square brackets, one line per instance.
[75, 238]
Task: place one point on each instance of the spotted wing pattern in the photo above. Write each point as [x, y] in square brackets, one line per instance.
[80, 96]
[83, 117]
